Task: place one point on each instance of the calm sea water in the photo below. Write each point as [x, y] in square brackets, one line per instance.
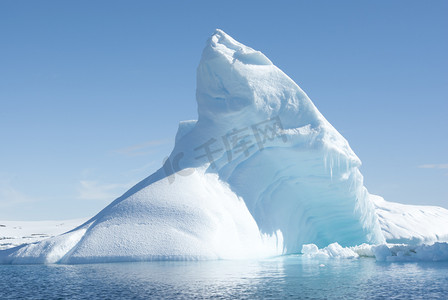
[285, 277]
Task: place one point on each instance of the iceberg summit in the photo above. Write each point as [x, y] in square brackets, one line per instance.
[260, 173]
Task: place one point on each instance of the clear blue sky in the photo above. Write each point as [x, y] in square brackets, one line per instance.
[91, 92]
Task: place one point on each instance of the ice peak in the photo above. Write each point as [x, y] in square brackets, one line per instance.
[219, 33]
[236, 82]
[222, 43]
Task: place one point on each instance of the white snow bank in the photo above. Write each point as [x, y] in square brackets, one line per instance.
[384, 252]
[411, 224]
[198, 217]
[195, 217]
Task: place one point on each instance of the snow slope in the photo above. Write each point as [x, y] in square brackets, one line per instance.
[260, 173]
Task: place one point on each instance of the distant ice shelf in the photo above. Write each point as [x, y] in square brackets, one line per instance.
[16, 233]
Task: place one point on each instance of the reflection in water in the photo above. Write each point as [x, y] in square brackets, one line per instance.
[276, 278]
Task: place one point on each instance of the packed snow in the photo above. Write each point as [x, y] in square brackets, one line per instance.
[411, 224]
[260, 173]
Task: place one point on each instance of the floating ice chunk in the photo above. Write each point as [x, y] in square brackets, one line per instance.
[434, 252]
[331, 251]
[384, 252]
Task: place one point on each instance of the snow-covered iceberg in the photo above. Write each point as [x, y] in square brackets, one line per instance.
[260, 173]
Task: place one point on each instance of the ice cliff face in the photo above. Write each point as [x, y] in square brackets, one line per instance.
[260, 173]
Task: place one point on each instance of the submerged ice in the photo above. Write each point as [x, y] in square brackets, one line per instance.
[260, 173]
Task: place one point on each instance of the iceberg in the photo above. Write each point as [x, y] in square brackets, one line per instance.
[260, 173]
